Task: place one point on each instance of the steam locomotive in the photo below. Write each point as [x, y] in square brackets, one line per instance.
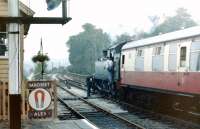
[107, 70]
[161, 70]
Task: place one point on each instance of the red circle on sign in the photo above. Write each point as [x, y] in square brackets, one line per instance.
[39, 99]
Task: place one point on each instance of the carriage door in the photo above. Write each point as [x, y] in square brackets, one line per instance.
[122, 67]
[183, 56]
[183, 61]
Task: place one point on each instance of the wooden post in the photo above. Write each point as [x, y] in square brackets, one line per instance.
[15, 112]
[14, 67]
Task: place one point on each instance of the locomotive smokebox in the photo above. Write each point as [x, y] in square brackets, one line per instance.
[102, 69]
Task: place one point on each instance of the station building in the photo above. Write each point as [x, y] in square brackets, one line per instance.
[4, 104]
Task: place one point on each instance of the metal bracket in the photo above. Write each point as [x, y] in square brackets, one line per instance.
[35, 20]
[13, 32]
[39, 20]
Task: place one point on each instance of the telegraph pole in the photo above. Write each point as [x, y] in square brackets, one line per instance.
[14, 67]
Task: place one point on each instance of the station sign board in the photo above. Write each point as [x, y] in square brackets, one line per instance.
[41, 99]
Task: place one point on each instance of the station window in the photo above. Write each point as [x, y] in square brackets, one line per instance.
[183, 56]
[3, 47]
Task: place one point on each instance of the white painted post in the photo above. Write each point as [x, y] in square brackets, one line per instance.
[13, 50]
[14, 67]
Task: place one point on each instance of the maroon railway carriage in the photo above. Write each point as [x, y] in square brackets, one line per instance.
[167, 66]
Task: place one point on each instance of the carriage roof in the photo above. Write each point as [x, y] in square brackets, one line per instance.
[181, 34]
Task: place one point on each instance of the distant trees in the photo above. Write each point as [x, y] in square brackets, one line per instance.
[181, 20]
[62, 70]
[123, 37]
[85, 48]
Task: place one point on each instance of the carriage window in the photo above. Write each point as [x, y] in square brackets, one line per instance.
[123, 59]
[139, 60]
[157, 51]
[195, 57]
[172, 61]
[183, 57]
[158, 59]
[129, 55]
[140, 52]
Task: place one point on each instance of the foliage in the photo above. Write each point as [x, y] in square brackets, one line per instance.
[123, 37]
[40, 58]
[85, 48]
[181, 20]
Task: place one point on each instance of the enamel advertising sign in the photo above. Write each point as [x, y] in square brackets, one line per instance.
[41, 104]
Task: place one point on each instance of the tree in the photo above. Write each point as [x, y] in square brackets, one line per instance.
[123, 38]
[85, 48]
[181, 20]
[155, 21]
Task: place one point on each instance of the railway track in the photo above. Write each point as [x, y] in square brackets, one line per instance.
[70, 82]
[65, 113]
[96, 115]
[146, 119]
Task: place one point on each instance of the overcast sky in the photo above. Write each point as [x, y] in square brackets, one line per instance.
[113, 16]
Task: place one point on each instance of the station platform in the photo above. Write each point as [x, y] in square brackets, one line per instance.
[54, 124]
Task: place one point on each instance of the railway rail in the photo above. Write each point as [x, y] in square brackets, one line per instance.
[93, 113]
[65, 113]
[145, 118]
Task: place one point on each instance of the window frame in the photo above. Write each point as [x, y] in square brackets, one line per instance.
[183, 55]
[157, 50]
[140, 53]
[192, 51]
[123, 60]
